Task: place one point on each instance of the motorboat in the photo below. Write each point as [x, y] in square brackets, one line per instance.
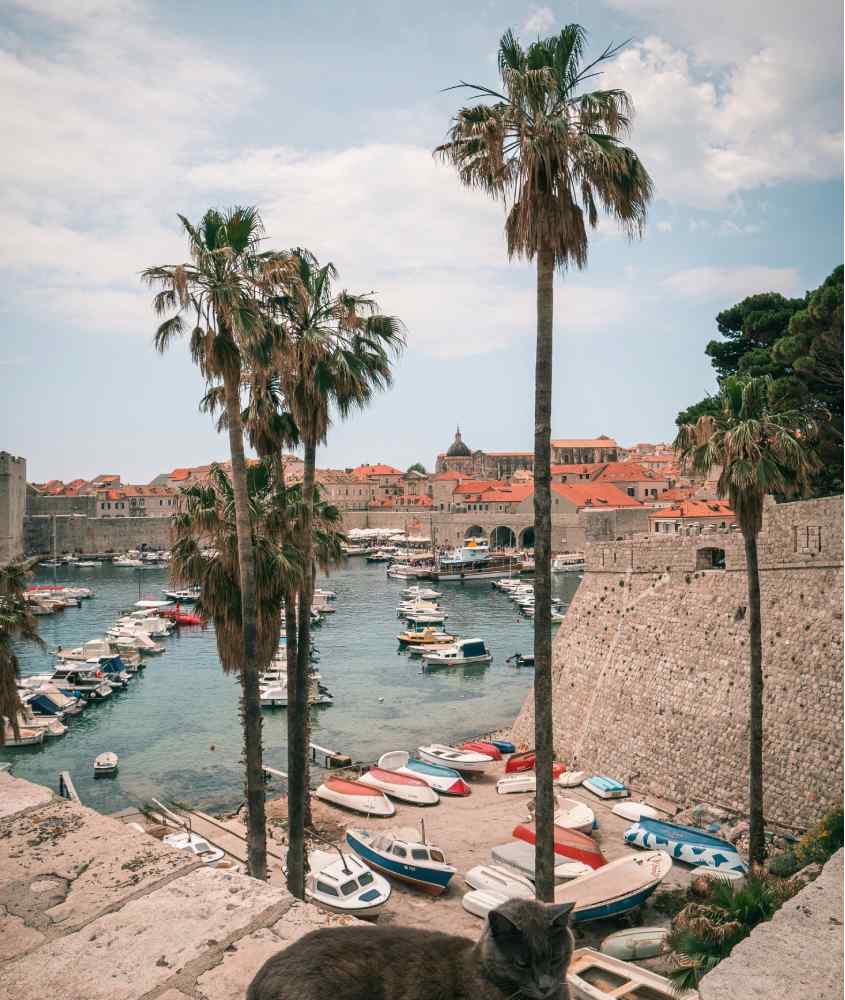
[568, 843]
[444, 780]
[425, 617]
[615, 888]
[111, 668]
[401, 786]
[130, 561]
[46, 699]
[25, 738]
[518, 660]
[275, 693]
[187, 596]
[460, 760]
[685, 843]
[482, 746]
[135, 638]
[425, 637]
[355, 796]
[194, 844]
[342, 883]
[594, 976]
[522, 858]
[605, 788]
[105, 763]
[27, 719]
[328, 595]
[182, 617]
[419, 593]
[411, 606]
[569, 562]
[574, 815]
[420, 651]
[497, 878]
[463, 653]
[405, 855]
[80, 681]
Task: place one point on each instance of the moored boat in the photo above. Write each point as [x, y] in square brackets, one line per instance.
[444, 780]
[463, 653]
[342, 883]
[404, 855]
[425, 637]
[616, 887]
[594, 976]
[460, 760]
[355, 796]
[105, 763]
[605, 788]
[568, 844]
[25, 737]
[685, 843]
[401, 786]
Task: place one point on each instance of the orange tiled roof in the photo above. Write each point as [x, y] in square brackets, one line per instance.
[515, 493]
[599, 442]
[624, 472]
[678, 493]
[363, 471]
[581, 468]
[451, 474]
[594, 495]
[695, 509]
[479, 485]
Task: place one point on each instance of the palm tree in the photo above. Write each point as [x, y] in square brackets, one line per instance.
[553, 151]
[16, 622]
[760, 451]
[216, 294]
[337, 354]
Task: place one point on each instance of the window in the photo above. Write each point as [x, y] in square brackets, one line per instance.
[366, 878]
[329, 890]
[399, 852]
[419, 854]
[437, 856]
[630, 491]
[349, 887]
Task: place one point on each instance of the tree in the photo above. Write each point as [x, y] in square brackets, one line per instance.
[217, 294]
[417, 467]
[553, 152]
[16, 622]
[337, 354]
[760, 451]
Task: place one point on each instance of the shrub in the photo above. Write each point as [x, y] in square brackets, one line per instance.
[823, 840]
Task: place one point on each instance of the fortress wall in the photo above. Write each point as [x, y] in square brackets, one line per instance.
[75, 533]
[650, 666]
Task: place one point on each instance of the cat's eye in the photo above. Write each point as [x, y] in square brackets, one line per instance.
[521, 963]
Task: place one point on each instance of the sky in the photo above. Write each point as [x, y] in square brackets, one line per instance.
[119, 114]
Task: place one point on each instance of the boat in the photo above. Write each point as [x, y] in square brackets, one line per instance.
[504, 746]
[634, 811]
[444, 780]
[523, 761]
[355, 796]
[105, 763]
[605, 788]
[194, 844]
[569, 562]
[425, 607]
[465, 652]
[401, 786]
[570, 779]
[425, 617]
[496, 878]
[187, 596]
[685, 843]
[460, 760]
[482, 746]
[342, 883]
[574, 815]
[479, 902]
[181, 617]
[568, 844]
[594, 976]
[25, 737]
[617, 887]
[47, 699]
[51, 724]
[418, 651]
[513, 783]
[518, 660]
[472, 561]
[425, 637]
[635, 943]
[736, 879]
[521, 857]
[80, 682]
[275, 694]
[421, 593]
[404, 855]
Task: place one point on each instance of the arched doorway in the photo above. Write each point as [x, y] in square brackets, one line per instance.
[502, 538]
[526, 537]
[474, 531]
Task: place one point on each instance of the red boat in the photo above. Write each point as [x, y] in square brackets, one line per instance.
[482, 747]
[568, 843]
[183, 617]
[526, 761]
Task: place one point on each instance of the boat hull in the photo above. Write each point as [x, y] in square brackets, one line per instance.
[685, 844]
[605, 788]
[568, 844]
[432, 881]
[405, 787]
[465, 765]
[373, 804]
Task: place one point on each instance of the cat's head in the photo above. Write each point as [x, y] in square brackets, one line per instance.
[526, 948]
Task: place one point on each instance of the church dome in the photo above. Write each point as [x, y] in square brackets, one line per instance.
[458, 449]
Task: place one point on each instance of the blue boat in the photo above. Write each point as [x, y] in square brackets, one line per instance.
[505, 746]
[444, 780]
[685, 843]
[605, 788]
[403, 855]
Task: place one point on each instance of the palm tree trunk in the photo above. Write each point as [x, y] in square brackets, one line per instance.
[543, 739]
[757, 842]
[305, 599]
[303, 681]
[250, 698]
[296, 765]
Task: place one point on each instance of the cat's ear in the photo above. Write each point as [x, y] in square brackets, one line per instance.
[559, 915]
[500, 925]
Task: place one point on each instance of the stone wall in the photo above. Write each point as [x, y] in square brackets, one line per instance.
[12, 506]
[75, 533]
[651, 665]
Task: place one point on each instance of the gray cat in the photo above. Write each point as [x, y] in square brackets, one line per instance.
[523, 954]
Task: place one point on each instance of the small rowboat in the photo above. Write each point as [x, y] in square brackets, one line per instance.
[495, 878]
[512, 783]
[685, 843]
[635, 943]
[568, 844]
[105, 763]
[617, 887]
[736, 879]
[526, 761]
[460, 760]
[605, 788]
[444, 780]
[634, 811]
[570, 779]
[483, 747]
[479, 902]
[593, 976]
[505, 746]
[575, 815]
[521, 858]
[405, 787]
[402, 854]
[355, 796]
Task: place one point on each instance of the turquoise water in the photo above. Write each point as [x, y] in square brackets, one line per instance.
[177, 730]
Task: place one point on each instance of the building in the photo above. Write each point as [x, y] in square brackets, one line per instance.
[578, 473]
[634, 480]
[689, 513]
[482, 464]
[12, 506]
[137, 501]
[573, 451]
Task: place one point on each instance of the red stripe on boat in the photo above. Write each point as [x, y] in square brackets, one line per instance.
[568, 843]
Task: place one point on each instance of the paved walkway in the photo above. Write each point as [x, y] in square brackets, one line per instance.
[92, 909]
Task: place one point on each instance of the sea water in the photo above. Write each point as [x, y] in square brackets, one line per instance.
[177, 730]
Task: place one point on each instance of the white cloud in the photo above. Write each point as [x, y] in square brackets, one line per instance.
[732, 283]
[727, 227]
[540, 21]
[664, 227]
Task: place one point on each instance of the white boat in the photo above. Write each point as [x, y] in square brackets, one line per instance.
[105, 763]
[187, 596]
[25, 737]
[569, 562]
[463, 653]
[460, 760]
[401, 785]
[342, 883]
[423, 607]
[275, 693]
[51, 724]
[420, 651]
[635, 943]
[196, 845]
[479, 902]
[355, 796]
[593, 976]
[634, 811]
[570, 779]
[444, 780]
[127, 561]
[574, 815]
[521, 858]
[615, 888]
[45, 698]
[417, 592]
[426, 617]
[496, 878]
[328, 595]
[512, 783]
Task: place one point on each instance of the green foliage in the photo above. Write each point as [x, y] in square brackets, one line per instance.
[17, 622]
[417, 467]
[786, 864]
[823, 840]
[670, 902]
[705, 932]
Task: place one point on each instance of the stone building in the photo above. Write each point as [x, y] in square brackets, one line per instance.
[574, 451]
[482, 464]
[676, 518]
[12, 506]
